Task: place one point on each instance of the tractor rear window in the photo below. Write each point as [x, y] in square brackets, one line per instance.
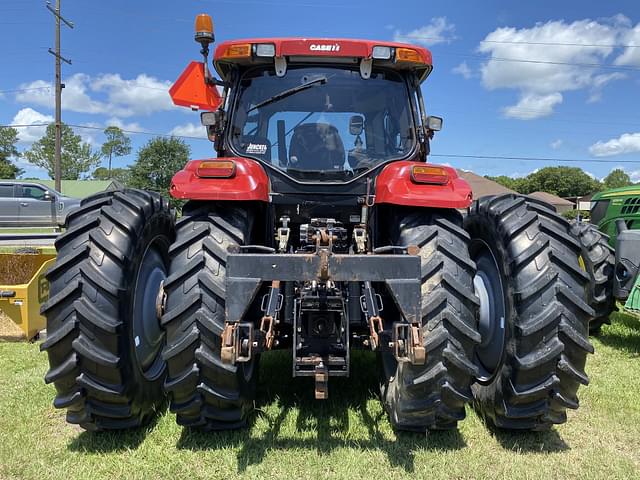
[598, 211]
[322, 123]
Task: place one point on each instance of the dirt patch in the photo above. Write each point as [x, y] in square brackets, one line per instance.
[16, 268]
[9, 330]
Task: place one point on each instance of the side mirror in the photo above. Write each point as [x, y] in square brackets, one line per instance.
[48, 197]
[356, 124]
[434, 123]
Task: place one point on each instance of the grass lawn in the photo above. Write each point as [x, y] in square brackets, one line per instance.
[348, 436]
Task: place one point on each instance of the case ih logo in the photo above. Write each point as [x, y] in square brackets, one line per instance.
[324, 48]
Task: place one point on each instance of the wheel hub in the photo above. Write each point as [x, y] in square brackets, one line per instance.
[489, 288]
[147, 333]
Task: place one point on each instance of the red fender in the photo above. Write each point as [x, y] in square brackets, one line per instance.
[250, 182]
[395, 186]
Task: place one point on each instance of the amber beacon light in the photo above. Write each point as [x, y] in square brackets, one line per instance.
[204, 29]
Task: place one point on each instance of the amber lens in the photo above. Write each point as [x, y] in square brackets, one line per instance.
[428, 174]
[216, 169]
[204, 23]
[238, 51]
[408, 55]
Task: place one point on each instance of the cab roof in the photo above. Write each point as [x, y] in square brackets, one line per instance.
[322, 50]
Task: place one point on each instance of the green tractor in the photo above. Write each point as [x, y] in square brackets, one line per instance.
[611, 252]
[611, 205]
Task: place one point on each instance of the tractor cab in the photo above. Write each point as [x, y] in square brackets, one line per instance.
[312, 110]
[323, 125]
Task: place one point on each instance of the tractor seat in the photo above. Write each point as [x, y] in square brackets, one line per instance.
[316, 146]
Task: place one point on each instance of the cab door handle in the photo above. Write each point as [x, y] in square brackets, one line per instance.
[24, 204]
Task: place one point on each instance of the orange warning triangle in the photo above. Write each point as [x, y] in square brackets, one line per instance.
[191, 90]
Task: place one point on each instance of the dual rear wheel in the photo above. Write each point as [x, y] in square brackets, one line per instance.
[504, 316]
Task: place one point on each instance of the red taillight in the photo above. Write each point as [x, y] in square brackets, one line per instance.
[216, 169]
[430, 175]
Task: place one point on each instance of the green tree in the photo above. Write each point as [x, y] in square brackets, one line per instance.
[617, 178]
[156, 164]
[562, 181]
[519, 184]
[117, 144]
[77, 157]
[119, 174]
[8, 141]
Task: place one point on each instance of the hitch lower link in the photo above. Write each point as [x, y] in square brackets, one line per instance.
[407, 342]
[240, 340]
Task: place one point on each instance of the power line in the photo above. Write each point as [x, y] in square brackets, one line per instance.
[17, 90]
[531, 159]
[138, 132]
[129, 83]
[561, 44]
[440, 155]
[544, 62]
[523, 42]
[88, 127]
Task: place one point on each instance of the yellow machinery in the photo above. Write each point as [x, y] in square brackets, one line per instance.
[21, 302]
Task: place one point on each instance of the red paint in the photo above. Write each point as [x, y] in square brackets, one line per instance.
[303, 47]
[250, 182]
[394, 186]
[191, 90]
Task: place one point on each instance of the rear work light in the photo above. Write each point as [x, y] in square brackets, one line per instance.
[429, 175]
[408, 55]
[216, 169]
[240, 50]
[265, 50]
[381, 53]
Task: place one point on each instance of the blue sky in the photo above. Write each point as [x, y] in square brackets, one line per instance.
[127, 53]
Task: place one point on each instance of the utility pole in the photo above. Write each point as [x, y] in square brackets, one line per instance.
[59, 87]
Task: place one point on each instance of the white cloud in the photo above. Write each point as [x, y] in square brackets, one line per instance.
[532, 106]
[556, 71]
[142, 95]
[89, 135]
[189, 130]
[556, 144]
[631, 55]
[634, 175]
[515, 175]
[116, 122]
[37, 92]
[74, 95]
[28, 116]
[599, 81]
[464, 70]
[625, 143]
[439, 30]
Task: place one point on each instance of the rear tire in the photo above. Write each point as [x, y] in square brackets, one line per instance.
[433, 396]
[103, 337]
[542, 306]
[205, 393]
[599, 262]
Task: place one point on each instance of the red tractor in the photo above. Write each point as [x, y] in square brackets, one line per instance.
[319, 228]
